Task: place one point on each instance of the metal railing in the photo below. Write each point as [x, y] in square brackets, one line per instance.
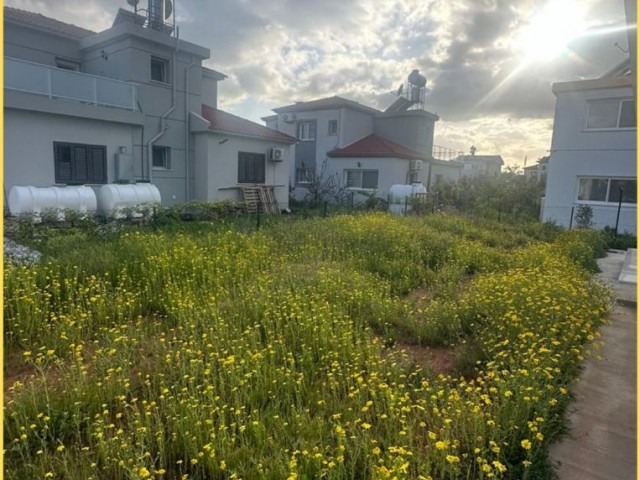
[24, 76]
[444, 153]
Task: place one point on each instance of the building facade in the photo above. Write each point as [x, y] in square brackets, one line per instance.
[593, 152]
[124, 105]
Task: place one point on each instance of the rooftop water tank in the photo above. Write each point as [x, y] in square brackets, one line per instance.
[29, 200]
[114, 198]
[400, 197]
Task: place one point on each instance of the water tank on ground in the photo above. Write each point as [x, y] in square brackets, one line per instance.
[114, 199]
[29, 200]
[400, 197]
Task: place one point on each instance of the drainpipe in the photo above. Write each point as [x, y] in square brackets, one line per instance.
[163, 123]
[186, 127]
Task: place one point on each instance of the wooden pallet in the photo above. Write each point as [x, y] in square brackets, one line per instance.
[260, 197]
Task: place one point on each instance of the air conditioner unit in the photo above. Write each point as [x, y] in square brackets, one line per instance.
[415, 165]
[289, 117]
[276, 154]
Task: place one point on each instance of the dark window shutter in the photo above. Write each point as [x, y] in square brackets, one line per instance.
[62, 162]
[98, 165]
[259, 163]
[80, 164]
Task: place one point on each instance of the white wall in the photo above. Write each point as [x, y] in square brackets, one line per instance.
[29, 137]
[391, 171]
[217, 169]
[577, 152]
[354, 126]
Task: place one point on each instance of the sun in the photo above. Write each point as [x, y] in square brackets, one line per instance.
[549, 31]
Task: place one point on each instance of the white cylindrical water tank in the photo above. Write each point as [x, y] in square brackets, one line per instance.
[114, 198]
[400, 197]
[29, 200]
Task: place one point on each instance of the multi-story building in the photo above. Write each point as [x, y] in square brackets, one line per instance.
[593, 151]
[133, 103]
[346, 145]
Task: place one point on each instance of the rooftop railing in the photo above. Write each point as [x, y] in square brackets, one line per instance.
[24, 76]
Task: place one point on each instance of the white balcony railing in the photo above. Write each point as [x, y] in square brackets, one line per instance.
[59, 83]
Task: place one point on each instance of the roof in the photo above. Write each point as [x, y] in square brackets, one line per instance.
[221, 121]
[497, 159]
[593, 84]
[621, 69]
[326, 104]
[210, 72]
[45, 23]
[377, 146]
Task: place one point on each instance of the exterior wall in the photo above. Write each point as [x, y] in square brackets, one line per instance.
[412, 129]
[577, 152]
[352, 126]
[38, 46]
[391, 171]
[217, 167]
[29, 153]
[479, 167]
[449, 172]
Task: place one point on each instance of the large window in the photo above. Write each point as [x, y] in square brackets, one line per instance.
[161, 158]
[306, 131]
[251, 167]
[305, 175]
[594, 189]
[159, 70]
[365, 179]
[613, 113]
[77, 164]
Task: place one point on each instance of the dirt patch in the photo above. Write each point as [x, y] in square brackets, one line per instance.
[16, 370]
[439, 360]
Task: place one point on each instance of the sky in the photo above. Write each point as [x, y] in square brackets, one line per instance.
[489, 64]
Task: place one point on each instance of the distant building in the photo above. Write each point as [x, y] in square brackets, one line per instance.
[538, 171]
[480, 165]
[362, 149]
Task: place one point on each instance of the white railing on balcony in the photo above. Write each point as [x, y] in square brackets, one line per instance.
[59, 83]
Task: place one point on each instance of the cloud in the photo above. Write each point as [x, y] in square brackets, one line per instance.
[278, 51]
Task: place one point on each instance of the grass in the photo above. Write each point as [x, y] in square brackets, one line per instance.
[218, 351]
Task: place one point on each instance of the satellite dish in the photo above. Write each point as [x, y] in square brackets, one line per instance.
[168, 8]
[133, 3]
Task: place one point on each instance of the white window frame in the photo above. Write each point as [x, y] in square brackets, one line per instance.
[305, 176]
[620, 101]
[360, 171]
[166, 157]
[306, 131]
[607, 194]
[165, 70]
[335, 130]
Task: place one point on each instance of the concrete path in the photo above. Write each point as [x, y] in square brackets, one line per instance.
[601, 444]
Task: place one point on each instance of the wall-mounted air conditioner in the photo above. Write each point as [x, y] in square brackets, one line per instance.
[276, 154]
[289, 117]
[415, 165]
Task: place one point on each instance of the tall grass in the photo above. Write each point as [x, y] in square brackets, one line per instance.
[230, 354]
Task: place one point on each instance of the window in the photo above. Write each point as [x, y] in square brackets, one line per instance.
[365, 179]
[607, 190]
[161, 158]
[332, 129]
[77, 164]
[305, 175]
[306, 131]
[67, 64]
[251, 167]
[613, 113]
[159, 70]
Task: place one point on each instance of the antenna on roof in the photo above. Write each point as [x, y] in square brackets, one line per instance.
[134, 4]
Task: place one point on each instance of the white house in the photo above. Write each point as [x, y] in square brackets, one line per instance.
[593, 151]
[133, 103]
[480, 165]
[362, 149]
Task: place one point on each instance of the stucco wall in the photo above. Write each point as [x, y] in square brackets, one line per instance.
[37, 46]
[412, 129]
[577, 152]
[217, 167]
[29, 137]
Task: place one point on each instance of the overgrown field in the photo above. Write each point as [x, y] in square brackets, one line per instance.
[278, 354]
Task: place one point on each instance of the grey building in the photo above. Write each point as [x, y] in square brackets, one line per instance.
[133, 103]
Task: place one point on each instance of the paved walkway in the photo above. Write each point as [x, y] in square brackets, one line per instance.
[601, 444]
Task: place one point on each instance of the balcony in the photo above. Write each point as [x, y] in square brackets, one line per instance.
[54, 82]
